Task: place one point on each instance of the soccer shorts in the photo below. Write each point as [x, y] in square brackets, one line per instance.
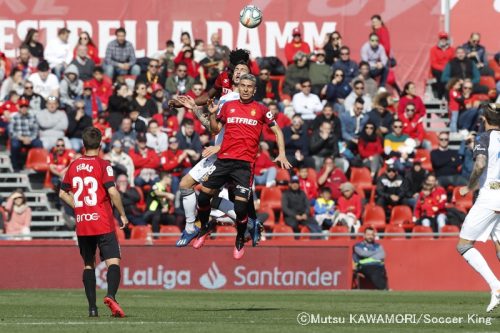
[480, 223]
[201, 170]
[226, 170]
[107, 243]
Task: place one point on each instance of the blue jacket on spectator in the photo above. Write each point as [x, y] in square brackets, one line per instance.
[348, 122]
[336, 91]
[302, 144]
[349, 67]
[468, 162]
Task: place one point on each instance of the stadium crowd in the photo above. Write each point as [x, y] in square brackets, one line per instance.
[357, 141]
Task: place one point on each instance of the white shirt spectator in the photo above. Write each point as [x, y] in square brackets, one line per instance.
[349, 102]
[58, 52]
[158, 142]
[306, 105]
[45, 88]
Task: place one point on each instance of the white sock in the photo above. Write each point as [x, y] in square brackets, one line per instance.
[476, 260]
[189, 203]
[227, 207]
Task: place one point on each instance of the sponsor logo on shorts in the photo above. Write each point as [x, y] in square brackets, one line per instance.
[87, 217]
[243, 190]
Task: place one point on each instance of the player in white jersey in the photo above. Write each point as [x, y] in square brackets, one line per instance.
[483, 220]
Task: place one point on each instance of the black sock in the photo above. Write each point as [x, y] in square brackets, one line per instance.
[251, 208]
[89, 284]
[241, 227]
[113, 278]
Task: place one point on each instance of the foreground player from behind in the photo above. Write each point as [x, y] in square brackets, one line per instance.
[483, 220]
[88, 187]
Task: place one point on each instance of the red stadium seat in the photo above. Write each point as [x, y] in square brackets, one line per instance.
[226, 229]
[425, 155]
[449, 229]
[339, 229]
[282, 176]
[495, 67]
[402, 216]
[271, 197]
[361, 178]
[120, 234]
[422, 229]
[304, 230]
[169, 229]
[271, 220]
[140, 232]
[375, 217]
[283, 229]
[37, 159]
[47, 182]
[312, 176]
[392, 229]
[432, 138]
[459, 200]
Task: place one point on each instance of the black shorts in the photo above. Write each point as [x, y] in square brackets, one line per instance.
[107, 243]
[235, 171]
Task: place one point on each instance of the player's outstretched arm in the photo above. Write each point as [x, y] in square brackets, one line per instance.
[117, 202]
[477, 171]
[189, 102]
[67, 198]
[281, 158]
[215, 125]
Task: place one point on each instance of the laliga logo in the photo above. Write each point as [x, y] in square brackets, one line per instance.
[214, 279]
[100, 275]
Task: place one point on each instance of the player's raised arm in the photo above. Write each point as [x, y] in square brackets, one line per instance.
[117, 202]
[215, 124]
[281, 158]
[189, 102]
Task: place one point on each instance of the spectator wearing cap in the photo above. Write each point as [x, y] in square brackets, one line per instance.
[71, 87]
[126, 134]
[122, 163]
[44, 83]
[409, 96]
[36, 101]
[83, 63]
[295, 45]
[349, 207]
[189, 140]
[140, 101]
[391, 189]
[119, 105]
[358, 91]
[349, 67]
[101, 85]
[120, 56]
[14, 82]
[156, 139]
[146, 162]
[446, 163]
[305, 102]
[77, 122]
[92, 102]
[320, 72]
[151, 75]
[58, 52]
[331, 176]
[440, 55]
[337, 90]
[175, 161]
[296, 208]
[296, 73]
[53, 124]
[179, 83]
[374, 54]
[267, 89]
[60, 157]
[380, 115]
[23, 132]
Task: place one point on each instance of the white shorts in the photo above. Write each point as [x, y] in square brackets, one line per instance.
[202, 169]
[480, 223]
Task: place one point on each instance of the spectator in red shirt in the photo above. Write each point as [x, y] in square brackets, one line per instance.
[412, 126]
[307, 185]
[455, 102]
[9, 109]
[370, 148]
[195, 92]
[265, 169]
[349, 207]
[295, 45]
[194, 69]
[167, 120]
[282, 121]
[430, 209]
[409, 95]
[440, 55]
[332, 177]
[382, 32]
[101, 86]
[175, 161]
[92, 51]
[105, 128]
[59, 160]
[146, 161]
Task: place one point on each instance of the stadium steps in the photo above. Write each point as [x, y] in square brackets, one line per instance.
[50, 218]
[5, 163]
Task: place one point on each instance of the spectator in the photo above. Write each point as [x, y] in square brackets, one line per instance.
[415, 178]
[175, 161]
[92, 103]
[306, 103]
[167, 60]
[440, 55]
[146, 162]
[296, 208]
[280, 119]
[151, 75]
[36, 101]
[349, 67]
[130, 198]
[101, 86]
[126, 135]
[138, 122]
[461, 67]
[199, 50]
[212, 65]
[328, 115]
[349, 208]
[369, 259]
[14, 82]
[222, 50]
[23, 132]
[158, 96]
[160, 203]
[19, 214]
[295, 45]
[119, 105]
[180, 83]
[332, 47]
[379, 28]
[409, 96]
[77, 122]
[31, 42]
[397, 145]
[265, 169]
[380, 115]
[297, 143]
[71, 87]
[189, 141]
[370, 148]
[331, 176]
[446, 163]
[58, 52]
[44, 83]
[467, 117]
[374, 54]
[25, 62]
[53, 123]
[466, 154]
[194, 70]
[337, 90]
[320, 73]
[391, 190]
[296, 73]
[308, 184]
[83, 63]
[156, 139]
[455, 102]
[8, 109]
[324, 143]
[352, 123]
[371, 87]
[120, 56]
[146, 107]
[267, 89]
[358, 91]
[477, 53]
[91, 51]
[430, 209]
[106, 132]
[324, 209]
[59, 160]
[412, 126]
[122, 163]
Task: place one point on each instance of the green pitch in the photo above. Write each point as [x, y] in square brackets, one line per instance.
[252, 311]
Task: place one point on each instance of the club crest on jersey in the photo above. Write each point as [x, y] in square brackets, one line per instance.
[253, 112]
[84, 166]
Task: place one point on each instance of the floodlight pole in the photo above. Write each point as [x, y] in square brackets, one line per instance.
[447, 16]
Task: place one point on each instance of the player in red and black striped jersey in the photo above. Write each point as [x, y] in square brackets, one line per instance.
[89, 188]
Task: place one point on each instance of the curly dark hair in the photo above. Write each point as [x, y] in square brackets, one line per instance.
[239, 56]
